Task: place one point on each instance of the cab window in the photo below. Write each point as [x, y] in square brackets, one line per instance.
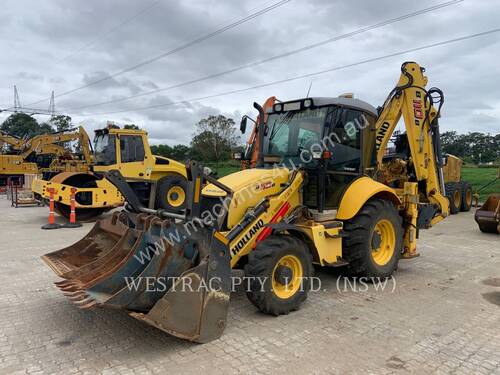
[131, 148]
[104, 149]
[345, 141]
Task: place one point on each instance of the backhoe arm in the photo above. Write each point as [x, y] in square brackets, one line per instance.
[411, 100]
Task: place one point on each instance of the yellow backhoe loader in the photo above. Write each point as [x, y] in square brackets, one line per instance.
[158, 181]
[27, 156]
[316, 196]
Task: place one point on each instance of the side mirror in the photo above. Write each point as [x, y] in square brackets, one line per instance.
[243, 124]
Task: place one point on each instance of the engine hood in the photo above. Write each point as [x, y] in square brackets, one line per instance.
[249, 187]
[256, 180]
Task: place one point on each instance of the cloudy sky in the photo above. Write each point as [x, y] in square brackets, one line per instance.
[63, 45]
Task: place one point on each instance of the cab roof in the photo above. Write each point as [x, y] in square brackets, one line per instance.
[114, 130]
[342, 101]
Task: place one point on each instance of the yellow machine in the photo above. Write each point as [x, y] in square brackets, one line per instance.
[24, 158]
[459, 192]
[13, 142]
[158, 181]
[488, 215]
[317, 196]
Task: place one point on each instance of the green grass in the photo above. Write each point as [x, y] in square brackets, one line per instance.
[225, 168]
[479, 177]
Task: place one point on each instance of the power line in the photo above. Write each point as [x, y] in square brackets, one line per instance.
[276, 57]
[307, 75]
[109, 32]
[177, 49]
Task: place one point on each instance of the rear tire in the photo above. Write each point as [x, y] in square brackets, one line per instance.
[466, 197]
[454, 195]
[171, 193]
[284, 266]
[374, 240]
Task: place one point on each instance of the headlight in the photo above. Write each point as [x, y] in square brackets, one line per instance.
[308, 103]
[278, 107]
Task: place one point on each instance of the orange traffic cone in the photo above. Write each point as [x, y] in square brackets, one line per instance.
[72, 216]
[52, 220]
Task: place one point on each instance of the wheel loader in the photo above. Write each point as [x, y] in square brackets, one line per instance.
[158, 181]
[314, 198]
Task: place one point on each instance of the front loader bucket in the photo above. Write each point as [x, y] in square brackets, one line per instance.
[162, 273]
[100, 240]
[488, 215]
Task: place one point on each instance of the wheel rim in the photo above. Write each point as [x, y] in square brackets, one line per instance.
[456, 198]
[383, 242]
[176, 196]
[290, 266]
[468, 197]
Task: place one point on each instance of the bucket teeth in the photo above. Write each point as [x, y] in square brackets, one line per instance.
[63, 283]
[73, 294]
[85, 303]
[79, 297]
[88, 305]
[70, 289]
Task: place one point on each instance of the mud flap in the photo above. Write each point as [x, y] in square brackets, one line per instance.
[195, 308]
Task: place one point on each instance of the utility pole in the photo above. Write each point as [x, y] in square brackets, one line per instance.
[52, 106]
[17, 102]
[32, 111]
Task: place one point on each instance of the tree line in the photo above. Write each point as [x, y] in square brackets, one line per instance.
[215, 137]
[475, 148]
[213, 140]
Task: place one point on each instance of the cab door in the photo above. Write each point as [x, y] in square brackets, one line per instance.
[132, 156]
[351, 148]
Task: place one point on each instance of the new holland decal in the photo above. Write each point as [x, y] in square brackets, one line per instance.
[247, 237]
[381, 134]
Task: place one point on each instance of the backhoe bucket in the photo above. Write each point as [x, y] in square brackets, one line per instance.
[172, 276]
[488, 215]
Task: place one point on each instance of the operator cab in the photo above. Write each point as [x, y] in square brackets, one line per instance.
[131, 147]
[332, 138]
[104, 148]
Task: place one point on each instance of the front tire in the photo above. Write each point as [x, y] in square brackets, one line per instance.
[279, 270]
[171, 193]
[374, 240]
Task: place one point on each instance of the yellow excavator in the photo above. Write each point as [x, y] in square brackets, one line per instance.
[321, 193]
[158, 181]
[15, 143]
[25, 156]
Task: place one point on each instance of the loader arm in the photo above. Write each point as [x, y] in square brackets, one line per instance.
[411, 100]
